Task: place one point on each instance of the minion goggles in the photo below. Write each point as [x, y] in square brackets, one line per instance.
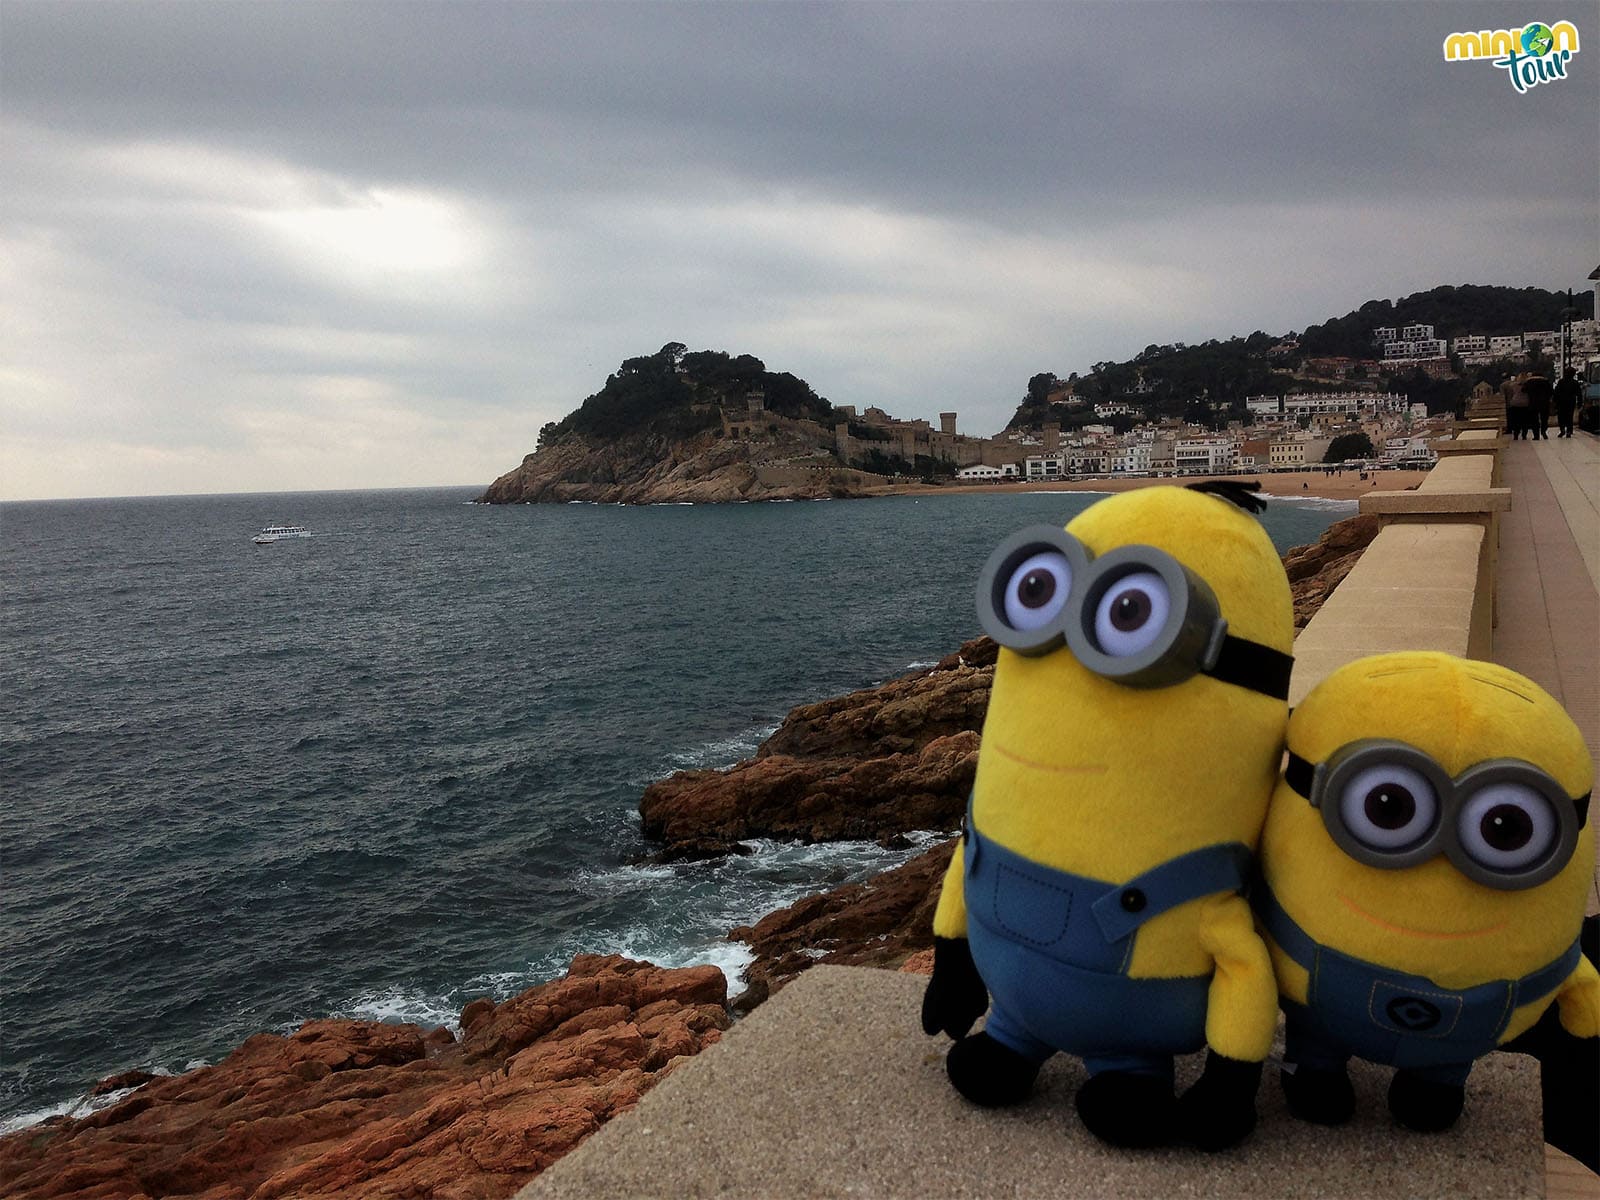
[1135, 615]
[1503, 823]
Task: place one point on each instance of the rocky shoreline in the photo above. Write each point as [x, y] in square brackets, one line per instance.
[651, 469]
[358, 1108]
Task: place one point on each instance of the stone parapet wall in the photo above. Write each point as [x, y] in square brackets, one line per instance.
[1427, 581]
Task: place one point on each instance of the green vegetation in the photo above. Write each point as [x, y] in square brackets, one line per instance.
[1207, 384]
[676, 393]
[1347, 446]
[1452, 311]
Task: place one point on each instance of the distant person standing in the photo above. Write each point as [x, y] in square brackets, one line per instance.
[1518, 415]
[1538, 391]
[1566, 394]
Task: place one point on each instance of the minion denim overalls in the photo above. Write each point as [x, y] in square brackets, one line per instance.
[1053, 949]
[1387, 1016]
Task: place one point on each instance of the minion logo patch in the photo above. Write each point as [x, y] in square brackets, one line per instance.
[1402, 1010]
[1414, 1014]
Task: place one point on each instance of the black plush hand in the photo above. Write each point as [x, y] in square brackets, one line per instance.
[956, 996]
[1220, 1109]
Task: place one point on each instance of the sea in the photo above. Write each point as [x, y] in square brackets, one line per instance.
[389, 768]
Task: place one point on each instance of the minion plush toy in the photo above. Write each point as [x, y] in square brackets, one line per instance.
[1425, 861]
[1132, 742]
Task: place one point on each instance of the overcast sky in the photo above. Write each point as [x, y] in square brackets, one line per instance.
[264, 247]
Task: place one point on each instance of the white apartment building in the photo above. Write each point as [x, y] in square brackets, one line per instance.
[1210, 454]
[1409, 449]
[982, 473]
[1412, 351]
[1471, 343]
[1385, 333]
[1502, 347]
[1417, 333]
[1045, 466]
[1131, 458]
[1087, 460]
[1328, 402]
[1113, 408]
[1549, 339]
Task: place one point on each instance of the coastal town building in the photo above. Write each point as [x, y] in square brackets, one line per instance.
[987, 474]
[1203, 454]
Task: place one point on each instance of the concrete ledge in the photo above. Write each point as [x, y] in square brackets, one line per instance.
[1472, 441]
[1436, 503]
[1418, 586]
[1460, 473]
[831, 1089]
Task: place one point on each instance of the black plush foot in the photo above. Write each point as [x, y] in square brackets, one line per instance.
[1219, 1111]
[1129, 1110]
[1423, 1104]
[988, 1073]
[1321, 1097]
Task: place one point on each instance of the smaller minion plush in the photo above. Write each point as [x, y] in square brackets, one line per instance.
[1424, 868]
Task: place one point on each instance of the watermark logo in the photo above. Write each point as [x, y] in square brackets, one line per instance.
[1537, 53]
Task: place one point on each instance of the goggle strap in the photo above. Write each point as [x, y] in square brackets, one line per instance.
[1251, 665]
[1299, 775]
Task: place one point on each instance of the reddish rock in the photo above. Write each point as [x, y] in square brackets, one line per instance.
[360, 1108]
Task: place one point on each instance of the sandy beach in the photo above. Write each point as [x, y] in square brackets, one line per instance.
[1346, 486]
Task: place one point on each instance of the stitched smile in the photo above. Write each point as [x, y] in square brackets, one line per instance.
[1421, 933]
[1087, 769]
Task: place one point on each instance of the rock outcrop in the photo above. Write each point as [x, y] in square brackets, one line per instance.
[364, 1109]
[872, 764]
[655, 469]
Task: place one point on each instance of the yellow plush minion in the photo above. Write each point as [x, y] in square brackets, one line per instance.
[1425, 861]
[1131, 744]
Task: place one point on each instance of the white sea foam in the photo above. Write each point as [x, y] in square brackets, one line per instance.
[1318, 502]
[83, 1106]
[402, 1006]
[723, 752]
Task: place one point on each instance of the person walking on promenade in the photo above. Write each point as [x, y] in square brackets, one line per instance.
[1565, 395]
[1517, 411]
[1537, 387]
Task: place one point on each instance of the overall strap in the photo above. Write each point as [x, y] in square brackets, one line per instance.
[1291, 939]
[1297, 944]
[1223, 867]
[1548, 978]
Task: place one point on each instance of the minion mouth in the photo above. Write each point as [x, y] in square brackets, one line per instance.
[1391, 927]
[1084, 769]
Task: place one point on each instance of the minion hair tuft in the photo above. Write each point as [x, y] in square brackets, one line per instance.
[1236, 491]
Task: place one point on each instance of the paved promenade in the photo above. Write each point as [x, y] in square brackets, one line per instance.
[830, 1089]
[1548, 599]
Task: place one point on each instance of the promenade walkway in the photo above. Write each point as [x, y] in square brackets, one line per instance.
[1548, 598]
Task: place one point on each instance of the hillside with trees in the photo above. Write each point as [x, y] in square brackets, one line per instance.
[675, 392]
[1207, 384]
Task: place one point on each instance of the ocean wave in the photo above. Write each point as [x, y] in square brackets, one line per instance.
[403, 1006]
[82, 1106]
[723, 752]
[1323, 503]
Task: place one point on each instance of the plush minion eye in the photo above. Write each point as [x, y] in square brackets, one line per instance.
[1507, 826]
[1037, 590]
[1389, 807]
[1132, 613]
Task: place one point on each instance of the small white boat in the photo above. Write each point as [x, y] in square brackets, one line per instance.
[277, 533]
